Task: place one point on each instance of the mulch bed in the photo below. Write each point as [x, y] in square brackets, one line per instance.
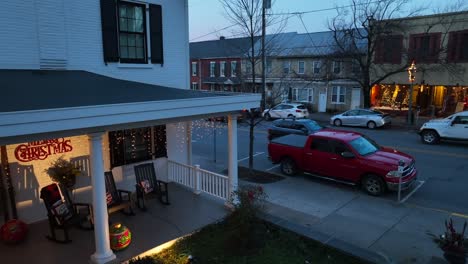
[257, 176]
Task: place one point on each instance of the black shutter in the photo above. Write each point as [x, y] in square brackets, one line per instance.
[109, 30]
[156, 34]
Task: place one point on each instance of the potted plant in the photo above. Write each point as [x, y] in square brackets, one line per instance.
[452, 243]
[63, 172]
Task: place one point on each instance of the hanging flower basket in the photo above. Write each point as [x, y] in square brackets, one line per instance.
[63, 172]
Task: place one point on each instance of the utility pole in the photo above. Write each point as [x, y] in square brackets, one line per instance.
[266, 4]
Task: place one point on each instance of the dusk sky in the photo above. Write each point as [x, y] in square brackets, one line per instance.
[207, 16]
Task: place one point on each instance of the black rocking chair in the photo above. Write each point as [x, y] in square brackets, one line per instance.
[148, 185]
[117, 200]
[62, 214]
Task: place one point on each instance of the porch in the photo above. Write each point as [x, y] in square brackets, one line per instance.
[159, 224]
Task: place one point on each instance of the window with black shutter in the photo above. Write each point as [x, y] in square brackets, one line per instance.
[132, 33]
[125, 33]
[388, 49]
[458, 46]
[135, 145]
[424, 48]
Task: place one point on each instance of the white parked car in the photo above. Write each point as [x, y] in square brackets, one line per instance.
[285, 110]
[361, 117]
[454, 127]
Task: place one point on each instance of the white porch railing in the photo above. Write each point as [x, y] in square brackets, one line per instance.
[198, 179]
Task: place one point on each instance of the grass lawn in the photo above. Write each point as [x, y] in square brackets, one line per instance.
[262, 243]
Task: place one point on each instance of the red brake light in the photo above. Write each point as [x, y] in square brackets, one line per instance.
[298, 111]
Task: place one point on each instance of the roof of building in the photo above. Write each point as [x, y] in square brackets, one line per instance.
[304, 45]
[38, 89]
[221, 48]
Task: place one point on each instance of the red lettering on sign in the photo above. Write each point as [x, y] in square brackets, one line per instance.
[40, 150]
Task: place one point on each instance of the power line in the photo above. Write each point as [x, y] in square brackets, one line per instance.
[291, 14]
[321, 10]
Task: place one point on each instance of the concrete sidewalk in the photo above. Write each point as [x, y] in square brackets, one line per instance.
[377, 229]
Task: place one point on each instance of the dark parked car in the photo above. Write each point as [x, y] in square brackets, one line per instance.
[283, 127]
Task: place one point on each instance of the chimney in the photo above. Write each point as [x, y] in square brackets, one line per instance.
[222, 38]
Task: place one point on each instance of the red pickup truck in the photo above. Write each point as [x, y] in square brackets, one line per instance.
[343, 156]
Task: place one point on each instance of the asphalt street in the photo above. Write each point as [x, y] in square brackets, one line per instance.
[443, 169]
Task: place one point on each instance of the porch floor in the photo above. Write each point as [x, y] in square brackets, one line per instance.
[159, 224]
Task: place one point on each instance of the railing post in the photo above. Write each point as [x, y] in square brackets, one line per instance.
[197, 190]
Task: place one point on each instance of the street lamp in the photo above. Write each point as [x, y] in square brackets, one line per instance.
[411, 77]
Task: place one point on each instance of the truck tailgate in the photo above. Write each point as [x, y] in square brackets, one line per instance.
[291, 140]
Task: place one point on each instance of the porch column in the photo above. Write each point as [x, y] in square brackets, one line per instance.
[232, 157]
[103, 252]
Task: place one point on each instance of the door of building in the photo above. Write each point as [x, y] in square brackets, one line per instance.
[322, 105]
[355, 98]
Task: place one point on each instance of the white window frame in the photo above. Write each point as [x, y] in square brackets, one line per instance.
[194, 68]
[315, 64]
[222, 69]
[335, 64]
[355, 67]
[248, 67]
[194, 86]
[269, 66]
[299, 67]
[286, 65]
[310, 95]
[340, 90]
[212, 68]
[233, 68]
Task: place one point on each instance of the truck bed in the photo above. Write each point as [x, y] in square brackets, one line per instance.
[292, 140]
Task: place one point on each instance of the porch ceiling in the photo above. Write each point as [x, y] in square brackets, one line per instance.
[47, 104]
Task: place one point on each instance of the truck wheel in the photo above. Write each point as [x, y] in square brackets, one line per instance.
[373, 185]
[288, 166]
[337, 122]
[267, 117]
[371, 125]
[430, 137]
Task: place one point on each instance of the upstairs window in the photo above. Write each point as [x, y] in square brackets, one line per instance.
[286, 67]
[269, 67]
[458, 46]
[132, 33]
[233, 68]
[388, 49]
[336, 67]
[301, 66]
[424, 48]
[355, 67]
[212, 68]
[248, 67]
[317, 66]
[194, 69]
[222, 71]
[125, 35]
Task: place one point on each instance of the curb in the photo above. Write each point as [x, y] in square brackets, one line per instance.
[345, 247]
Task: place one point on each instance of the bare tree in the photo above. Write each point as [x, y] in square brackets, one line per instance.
[247, 16]
[355, 34]
[361, 28]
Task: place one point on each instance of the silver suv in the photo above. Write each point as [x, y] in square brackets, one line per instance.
[454, 127]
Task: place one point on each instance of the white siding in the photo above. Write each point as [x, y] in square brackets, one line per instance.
[85, 45]
[62, 32]
[19, 47]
